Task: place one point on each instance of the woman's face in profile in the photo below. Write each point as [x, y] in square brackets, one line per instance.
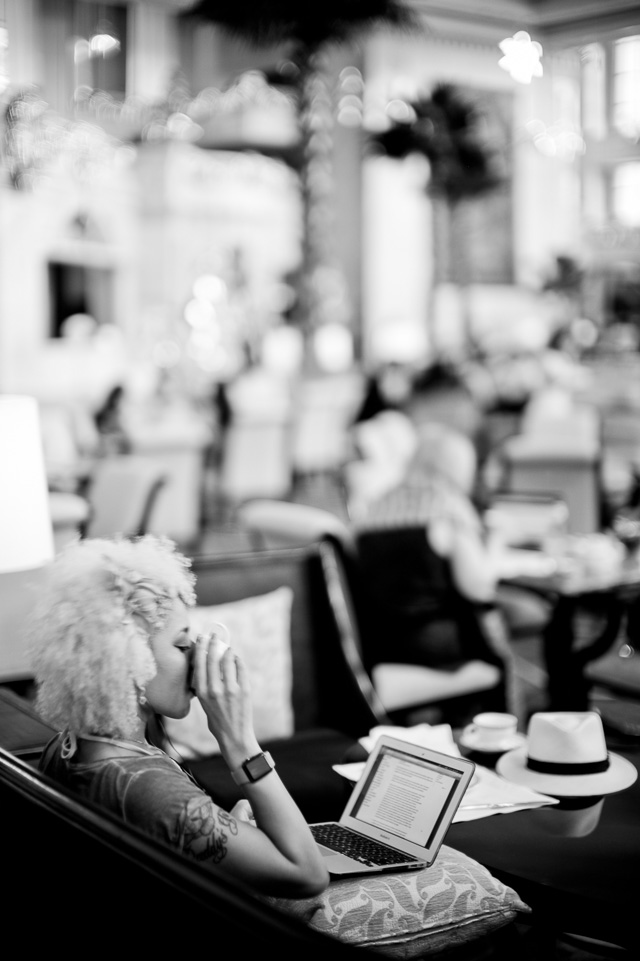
[168, 692]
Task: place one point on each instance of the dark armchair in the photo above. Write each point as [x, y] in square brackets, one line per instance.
[473, 672]
[430, 655]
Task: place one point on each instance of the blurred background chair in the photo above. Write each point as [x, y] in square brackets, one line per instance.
[256, 449]
[70, 444]
[323, 410]
[256, 460]
[122, 494]
[174, 440]
[568, 465]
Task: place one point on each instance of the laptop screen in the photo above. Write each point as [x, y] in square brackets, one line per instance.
[407, 796]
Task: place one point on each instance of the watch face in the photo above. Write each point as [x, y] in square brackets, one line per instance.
[257, 767]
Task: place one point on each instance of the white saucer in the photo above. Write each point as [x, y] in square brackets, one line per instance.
[468, 740]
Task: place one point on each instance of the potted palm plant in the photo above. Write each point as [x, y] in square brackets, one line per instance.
[306, 32]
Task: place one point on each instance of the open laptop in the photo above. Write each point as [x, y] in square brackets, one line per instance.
[399, 810]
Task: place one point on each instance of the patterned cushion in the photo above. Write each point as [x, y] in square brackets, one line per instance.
[259, 629]
[408, 915]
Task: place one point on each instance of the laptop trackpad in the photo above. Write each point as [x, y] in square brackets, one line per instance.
[339, 864]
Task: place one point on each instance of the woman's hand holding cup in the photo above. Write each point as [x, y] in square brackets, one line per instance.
[222, 687]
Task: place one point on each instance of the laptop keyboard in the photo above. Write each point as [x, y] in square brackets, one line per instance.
[356, 846]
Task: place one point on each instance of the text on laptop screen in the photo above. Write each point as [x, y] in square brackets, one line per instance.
[406, 796]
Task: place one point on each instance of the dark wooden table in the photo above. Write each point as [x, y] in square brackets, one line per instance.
[576, 865]
[606, 601]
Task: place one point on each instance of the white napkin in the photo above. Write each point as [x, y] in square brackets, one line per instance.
[437, 736]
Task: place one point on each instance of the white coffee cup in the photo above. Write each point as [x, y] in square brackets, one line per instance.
[221, 637]
[492, 729]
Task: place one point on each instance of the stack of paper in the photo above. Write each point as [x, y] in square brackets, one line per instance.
[436, 736]
[487, 794]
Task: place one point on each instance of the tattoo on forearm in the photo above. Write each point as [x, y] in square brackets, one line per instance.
[206, 830]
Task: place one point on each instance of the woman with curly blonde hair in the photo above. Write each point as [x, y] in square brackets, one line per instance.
[111, 649]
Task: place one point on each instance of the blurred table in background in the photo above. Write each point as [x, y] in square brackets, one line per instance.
[591, 574]
[176, 440]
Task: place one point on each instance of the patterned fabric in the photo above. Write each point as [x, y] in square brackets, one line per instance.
[260, 630]
[414, 913]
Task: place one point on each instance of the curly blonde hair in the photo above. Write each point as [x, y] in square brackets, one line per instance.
[90, 655]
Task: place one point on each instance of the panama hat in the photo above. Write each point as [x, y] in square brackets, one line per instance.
[566, 756]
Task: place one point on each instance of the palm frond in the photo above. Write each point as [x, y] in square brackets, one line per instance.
[446, 130]
[260, 22]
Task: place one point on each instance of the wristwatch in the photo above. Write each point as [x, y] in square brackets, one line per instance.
[254, 768]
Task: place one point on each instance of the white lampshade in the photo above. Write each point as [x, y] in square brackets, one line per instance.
[26, 532]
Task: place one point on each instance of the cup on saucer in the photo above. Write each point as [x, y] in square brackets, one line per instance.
[493, 732]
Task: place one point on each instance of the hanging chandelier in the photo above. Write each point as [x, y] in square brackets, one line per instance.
[521, 57]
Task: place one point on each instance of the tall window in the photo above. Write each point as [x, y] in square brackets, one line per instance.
[625, 194]
[611, 176]
[611, 126]
[4, 50]
[84, 48]
[99, 47]
[594, 103]
[626, 86]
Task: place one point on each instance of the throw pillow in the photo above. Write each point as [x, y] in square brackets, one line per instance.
[415, 913]
[259, 629]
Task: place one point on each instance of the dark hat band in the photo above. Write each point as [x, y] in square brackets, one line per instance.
[553, 767]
